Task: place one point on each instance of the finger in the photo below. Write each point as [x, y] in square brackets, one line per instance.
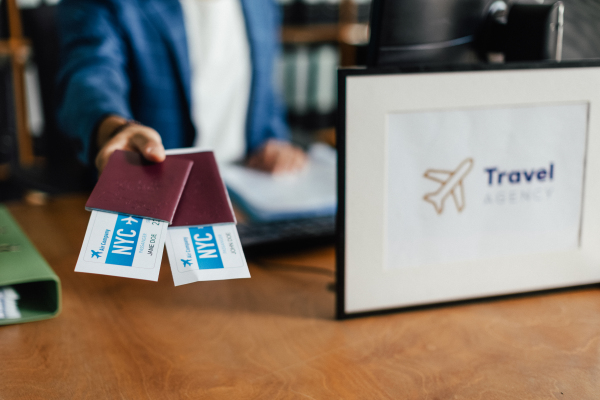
[292, 159]
[106, 151]
[273, 162]
[277, 157]
[295, 159]
[298, 160]
[263, 158]
[282, 165]
[149, 144]
[143, 140]
[270, 156]
[285, 159]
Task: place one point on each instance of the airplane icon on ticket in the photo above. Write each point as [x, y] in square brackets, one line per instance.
[451, 184]
[96, 254]
[186, 263]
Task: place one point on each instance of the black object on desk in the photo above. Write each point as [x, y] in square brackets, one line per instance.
[286, 235]
[463, 31]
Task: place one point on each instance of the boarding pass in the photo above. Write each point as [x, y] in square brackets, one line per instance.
[122, 245]
[205, 253]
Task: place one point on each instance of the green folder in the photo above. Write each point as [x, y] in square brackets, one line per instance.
[23, 268]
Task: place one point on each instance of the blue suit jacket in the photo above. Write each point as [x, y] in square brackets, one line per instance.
[130, 58]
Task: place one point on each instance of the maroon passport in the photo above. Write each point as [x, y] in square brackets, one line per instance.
[131, 185]
[204, 200]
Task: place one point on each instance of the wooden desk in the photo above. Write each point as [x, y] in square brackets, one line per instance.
[273, 336]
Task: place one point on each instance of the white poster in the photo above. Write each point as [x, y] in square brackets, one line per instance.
[483, 183]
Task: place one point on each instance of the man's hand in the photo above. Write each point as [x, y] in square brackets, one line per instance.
[135, 137]
[277, 156]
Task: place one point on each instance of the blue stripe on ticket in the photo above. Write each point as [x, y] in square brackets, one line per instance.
[205, 247]
[124, 240]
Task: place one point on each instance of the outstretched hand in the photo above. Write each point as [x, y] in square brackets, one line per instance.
[134, 137]
[277, 156]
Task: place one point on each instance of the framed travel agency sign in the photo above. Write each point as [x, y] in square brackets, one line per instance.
[467, 183]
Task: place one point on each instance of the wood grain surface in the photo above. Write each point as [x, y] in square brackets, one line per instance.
[273, 336]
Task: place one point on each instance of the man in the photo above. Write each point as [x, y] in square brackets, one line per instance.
[144, 75]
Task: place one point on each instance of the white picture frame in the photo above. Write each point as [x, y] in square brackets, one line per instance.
[367, 97]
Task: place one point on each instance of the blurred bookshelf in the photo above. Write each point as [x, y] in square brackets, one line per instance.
[14, 53]
[34, 156]
[318, 36]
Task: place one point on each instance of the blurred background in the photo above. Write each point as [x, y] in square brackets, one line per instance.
[318, 36]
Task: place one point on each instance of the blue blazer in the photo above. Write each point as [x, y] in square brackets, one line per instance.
[130, 58]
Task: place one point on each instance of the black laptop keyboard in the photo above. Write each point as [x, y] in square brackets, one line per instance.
[288, 234]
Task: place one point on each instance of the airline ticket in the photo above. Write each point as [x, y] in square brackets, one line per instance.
[122, 245]
[205, 253]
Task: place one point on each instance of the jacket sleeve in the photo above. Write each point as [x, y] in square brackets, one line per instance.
[92, 80]
[266, 110]
[278, 124]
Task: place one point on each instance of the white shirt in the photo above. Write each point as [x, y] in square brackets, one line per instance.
[221, 70]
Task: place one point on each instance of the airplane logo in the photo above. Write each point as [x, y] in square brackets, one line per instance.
[129, 220]
[451, 184]
[96, 254]
[186, 263]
